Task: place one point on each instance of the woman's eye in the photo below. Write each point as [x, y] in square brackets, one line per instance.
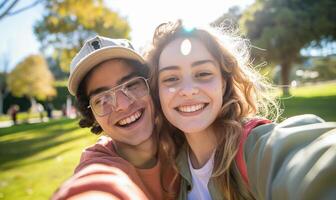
[170, 79]
[203, 74]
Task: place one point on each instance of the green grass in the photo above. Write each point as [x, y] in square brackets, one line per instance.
[315, 90]
[318, 99]
[324, 106]
[21, 116]
[24, 116]
[36, 158]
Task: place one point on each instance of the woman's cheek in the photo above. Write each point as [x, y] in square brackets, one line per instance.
[163, 95]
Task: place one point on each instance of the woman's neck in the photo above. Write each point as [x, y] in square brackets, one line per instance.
[202, 145]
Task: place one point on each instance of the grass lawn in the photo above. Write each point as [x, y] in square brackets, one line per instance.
[319, 99]
[36, 158]
[21, 116]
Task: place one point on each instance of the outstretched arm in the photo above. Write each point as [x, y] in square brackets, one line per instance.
[295, 159]
[101, 182]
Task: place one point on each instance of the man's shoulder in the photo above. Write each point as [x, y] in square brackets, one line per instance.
[103, 147]
[102, 152]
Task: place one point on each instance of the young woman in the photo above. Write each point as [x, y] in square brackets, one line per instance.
[210, 98]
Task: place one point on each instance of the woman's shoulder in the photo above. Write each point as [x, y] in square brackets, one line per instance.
[250, 123]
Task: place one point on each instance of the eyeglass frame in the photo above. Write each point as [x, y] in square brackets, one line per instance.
[116, 89]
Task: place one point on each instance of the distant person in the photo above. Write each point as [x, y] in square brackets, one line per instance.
[12, 111]
[64, 112]
[49, 109]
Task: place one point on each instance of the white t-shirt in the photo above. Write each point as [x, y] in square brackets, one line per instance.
[200, 180]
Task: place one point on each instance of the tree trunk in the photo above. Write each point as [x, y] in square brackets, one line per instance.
[285, 70]
[1, 103]
[3, 95]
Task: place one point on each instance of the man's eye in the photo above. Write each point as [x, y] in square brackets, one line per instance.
[133, 85]
[103, 100]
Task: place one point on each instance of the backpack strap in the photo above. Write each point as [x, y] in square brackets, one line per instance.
[247, 128]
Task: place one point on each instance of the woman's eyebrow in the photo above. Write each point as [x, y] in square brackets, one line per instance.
[194, 64]
[168, 68]
[200, 62]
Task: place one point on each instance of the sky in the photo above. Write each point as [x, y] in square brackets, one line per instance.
[18, 40]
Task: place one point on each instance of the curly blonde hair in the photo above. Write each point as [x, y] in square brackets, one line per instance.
[247, 95]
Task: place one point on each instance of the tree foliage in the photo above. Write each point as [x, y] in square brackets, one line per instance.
[283, 28]
[67, 24]
[32, 78]
[9, 7]
[230, 18]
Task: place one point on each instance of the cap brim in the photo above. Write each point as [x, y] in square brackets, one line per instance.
[96, 57]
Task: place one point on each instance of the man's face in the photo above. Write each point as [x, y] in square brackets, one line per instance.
[132, 120]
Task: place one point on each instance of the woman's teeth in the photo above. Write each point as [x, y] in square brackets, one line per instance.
[192, 108]
[130, 119]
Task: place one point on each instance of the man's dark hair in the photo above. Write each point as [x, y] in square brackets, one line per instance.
[87, 119]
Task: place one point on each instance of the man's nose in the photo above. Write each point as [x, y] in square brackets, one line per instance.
[122, 101]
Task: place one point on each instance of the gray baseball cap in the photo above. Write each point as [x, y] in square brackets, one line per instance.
[95, 51]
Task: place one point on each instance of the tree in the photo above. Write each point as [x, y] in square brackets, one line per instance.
[8, 7]
[67, 24]
[230, 18]
[57, 72]
[283, 28]
[32, 78]
[3, 78]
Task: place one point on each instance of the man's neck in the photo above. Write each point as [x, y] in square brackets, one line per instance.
[142, 156]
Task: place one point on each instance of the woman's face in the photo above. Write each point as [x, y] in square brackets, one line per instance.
[190, 85]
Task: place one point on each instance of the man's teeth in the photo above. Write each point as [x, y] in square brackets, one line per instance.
[130, 119]
[192, 108]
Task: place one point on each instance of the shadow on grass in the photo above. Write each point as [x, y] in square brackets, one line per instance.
[25, 127]
[14, 150]
[10, 165]
[324, 106]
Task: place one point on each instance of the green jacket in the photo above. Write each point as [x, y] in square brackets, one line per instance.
[295, 159]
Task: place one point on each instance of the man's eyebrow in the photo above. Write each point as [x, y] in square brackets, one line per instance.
[97, 91]
[127, 77]
[120, 81]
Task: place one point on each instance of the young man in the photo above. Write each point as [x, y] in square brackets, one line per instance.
[109, 80]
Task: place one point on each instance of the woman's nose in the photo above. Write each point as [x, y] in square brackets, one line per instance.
[188, 88]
